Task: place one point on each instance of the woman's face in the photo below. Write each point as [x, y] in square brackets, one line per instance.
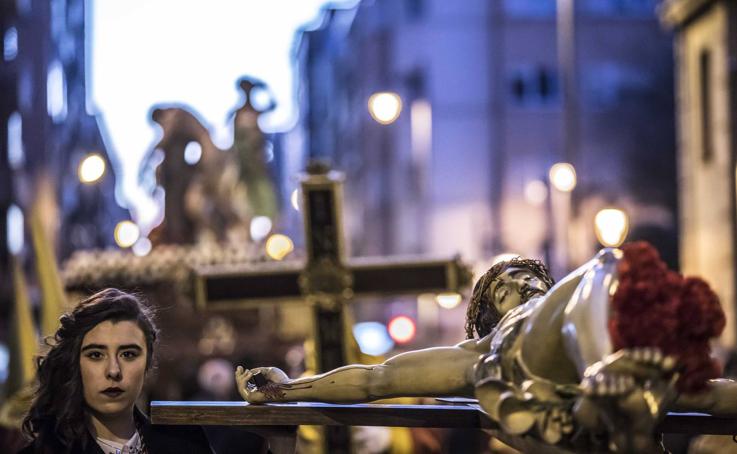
[112, 361]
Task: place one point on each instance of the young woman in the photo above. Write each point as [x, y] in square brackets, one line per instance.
[90, 378]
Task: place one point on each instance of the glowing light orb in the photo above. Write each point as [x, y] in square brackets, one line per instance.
[373, 338]
[15, 236]
[279, 246]
[91, 169]
[126, 234]
[260, 227]
[402, 329]
[192, 153]
[448, 300]
[611, 226]
[536, 192]
[563, 176]
[142, 247]
[385, 107]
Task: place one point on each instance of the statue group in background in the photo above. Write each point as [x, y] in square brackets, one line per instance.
[215, 197]
[589, 364]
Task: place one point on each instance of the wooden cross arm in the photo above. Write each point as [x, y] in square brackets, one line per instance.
[319, 414]
[222, 287]
[447, 416]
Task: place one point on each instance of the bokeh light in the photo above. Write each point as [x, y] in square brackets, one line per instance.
[611, 226]
[15, 239]
[373, 338]
[260, 227]
[385, 107]
[448, 300]
[142, 247]
[536, 192]
[279, 246]
[91, 169]
[563, 176]
[402, 329]
[192, 153]
[295, 199]
[126, 234]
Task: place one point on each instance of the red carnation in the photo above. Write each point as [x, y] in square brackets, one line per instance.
[656, 307]
[702, 316]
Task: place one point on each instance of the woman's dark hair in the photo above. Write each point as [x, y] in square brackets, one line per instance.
[56, 418]
[481, 314]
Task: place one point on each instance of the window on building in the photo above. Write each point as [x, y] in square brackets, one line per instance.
[14, 219]
[24, 7]
[15, 141]
[529, 8]
[56, 92]
[618, 7]
[421, 131]
[534, 85]
[707, 151]
[25, 85]
[10, 44]
[58, 18]
[415, 9]
[604, 84]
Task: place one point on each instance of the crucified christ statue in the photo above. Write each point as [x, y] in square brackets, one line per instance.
[591, 363]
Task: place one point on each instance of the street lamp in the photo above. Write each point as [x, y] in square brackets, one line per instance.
[448, 300]
[563, 180]
[91, 169]
[611, 226]
[385, 107]
[563, 176]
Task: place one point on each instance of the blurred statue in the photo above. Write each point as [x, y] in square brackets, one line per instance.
[179, 179]
[250, 146]
[215, 197]
[588, 365]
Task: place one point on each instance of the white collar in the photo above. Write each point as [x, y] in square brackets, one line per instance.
[132, 446]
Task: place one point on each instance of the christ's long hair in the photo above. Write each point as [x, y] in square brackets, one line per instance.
[481, 315]
[56, 420]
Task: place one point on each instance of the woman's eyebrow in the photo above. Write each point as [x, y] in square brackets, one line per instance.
[104, 347]
[130, 346]
[94, 346]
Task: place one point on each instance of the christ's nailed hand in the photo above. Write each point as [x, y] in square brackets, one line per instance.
[271, 391]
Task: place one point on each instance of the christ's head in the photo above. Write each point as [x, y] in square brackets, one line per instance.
[503, 287]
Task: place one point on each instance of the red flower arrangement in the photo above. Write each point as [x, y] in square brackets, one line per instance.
[657, 307]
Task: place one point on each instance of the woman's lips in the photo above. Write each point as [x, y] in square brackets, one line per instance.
[113, 392]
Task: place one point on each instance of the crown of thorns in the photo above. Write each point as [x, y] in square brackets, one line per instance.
[480, 299]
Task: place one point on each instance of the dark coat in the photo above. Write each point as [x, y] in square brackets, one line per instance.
[158, 439]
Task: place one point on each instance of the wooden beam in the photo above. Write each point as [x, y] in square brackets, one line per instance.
[229, 286]
[233, 413]
[304, 413]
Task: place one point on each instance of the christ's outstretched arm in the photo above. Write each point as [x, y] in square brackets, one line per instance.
[437, 371]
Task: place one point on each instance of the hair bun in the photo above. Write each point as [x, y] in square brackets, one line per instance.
[66, 323]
